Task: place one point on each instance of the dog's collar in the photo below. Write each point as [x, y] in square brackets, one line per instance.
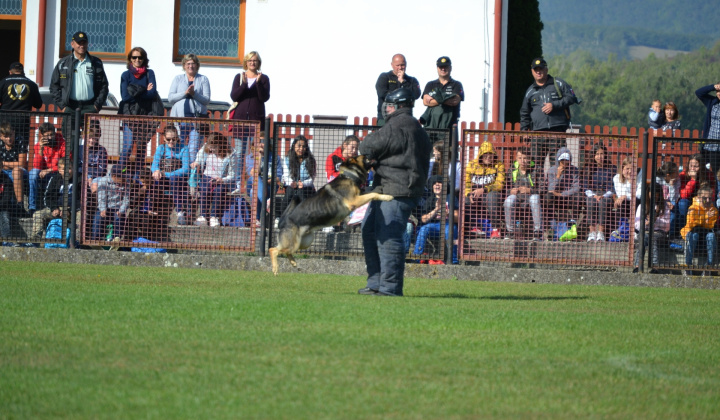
[351, 176]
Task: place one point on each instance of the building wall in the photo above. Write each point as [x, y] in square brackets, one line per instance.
[322, 57]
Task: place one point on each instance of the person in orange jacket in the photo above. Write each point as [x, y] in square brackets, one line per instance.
[47, 152]
[701, 219]
[484, 183]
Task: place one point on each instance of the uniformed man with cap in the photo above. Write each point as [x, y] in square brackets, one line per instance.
[79, 80]
[442, 98]
[18, 93]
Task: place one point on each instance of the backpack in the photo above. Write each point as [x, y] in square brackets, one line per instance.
[54, 231]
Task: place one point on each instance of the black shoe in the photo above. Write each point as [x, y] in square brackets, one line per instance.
[367, 291]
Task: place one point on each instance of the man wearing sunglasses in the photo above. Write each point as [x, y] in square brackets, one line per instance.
[79, 81]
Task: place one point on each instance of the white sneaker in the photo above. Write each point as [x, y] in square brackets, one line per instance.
[180, 218]
[328, 229]
[592, 236]
[600, 237]
[201, 221]
[214, 222]
[236, 192]
[277, 222]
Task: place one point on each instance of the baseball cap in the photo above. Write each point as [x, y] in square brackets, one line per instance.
[80, 36]
[538, 62]
[564, 156]
[17, 66]
[444, 61]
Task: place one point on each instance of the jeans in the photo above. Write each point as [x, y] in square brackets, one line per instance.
[213, 197]
[692, 240]
[178, 186]
[657, 237]
[100, 223]
[597, 210]
[141, 149]
[512, 200]
[188, 135]
[34, 181]
[683, 205]
[433, 230]
[382, 234]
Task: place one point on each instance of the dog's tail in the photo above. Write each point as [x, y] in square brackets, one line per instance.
[293, 203]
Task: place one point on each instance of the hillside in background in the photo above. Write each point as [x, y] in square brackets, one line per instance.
[613, 27]
[619, 92]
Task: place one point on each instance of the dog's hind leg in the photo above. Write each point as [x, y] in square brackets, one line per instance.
[291, 259]
[273, 259]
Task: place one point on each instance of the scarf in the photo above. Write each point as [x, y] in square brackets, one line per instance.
[138, 72]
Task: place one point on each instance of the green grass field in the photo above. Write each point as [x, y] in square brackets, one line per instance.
[136, 342]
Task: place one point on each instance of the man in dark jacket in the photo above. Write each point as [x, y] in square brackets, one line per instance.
[18, 93]
[546, 107]
[394, 80]
[79, 82]
[710, 97]
[402, 150]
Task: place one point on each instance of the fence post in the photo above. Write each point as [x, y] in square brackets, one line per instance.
[268, 188]
[451, 194]
[643, 203]
[75, 139]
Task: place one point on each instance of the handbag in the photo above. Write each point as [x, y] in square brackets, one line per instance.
[158, 109]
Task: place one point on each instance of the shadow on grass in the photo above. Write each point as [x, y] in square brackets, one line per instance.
[504, 297]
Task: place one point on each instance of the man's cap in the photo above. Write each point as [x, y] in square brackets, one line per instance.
[444, 61]
[80, 36]
[538, 62]
[17, 66]
[564, 156]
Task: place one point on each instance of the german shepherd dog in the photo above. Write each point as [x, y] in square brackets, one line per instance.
[329, 206]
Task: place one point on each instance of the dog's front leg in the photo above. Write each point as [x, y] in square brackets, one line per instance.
[361, 200]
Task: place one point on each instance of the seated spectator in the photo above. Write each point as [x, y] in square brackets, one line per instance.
[623, 185]
[299, 171]
[431, 218]
[701, 219]
[672, 116]
[437, 163]
[217, 166]
[598, 185]
[150, 208]
[691, 180]
[563, 187]
[13, 158]
[484, 182]
[661, 226]
[263, 186]
[113, 203]
[47, 153]
[171, 168]
[523, 186]
[348, 149]
[97, 157]
[7, 201]
[668, 176]
[53, 197]
[656, 118]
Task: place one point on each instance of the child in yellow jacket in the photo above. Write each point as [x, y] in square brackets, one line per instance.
[701, 218]
[484, 182]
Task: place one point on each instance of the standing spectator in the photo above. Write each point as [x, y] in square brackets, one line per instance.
[18, 93]
[13, 159]
[171, 167]
[523, 186]
[402, 150]
[189, 96]
[701, 219]
[546, 107]
[656, 118]
[394, 80]
[299, 170]
[672, 116]
[691, 180]
[710, 96]
[46, 154]
[250, 89]
[348, 149]
[661, 227]
[113, 203]
[484, 182]
[598, 184]
[79, 82]
[218, 166]
[138, 91]
[442, 98]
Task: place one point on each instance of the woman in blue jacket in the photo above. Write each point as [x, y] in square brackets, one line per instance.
[170, 168]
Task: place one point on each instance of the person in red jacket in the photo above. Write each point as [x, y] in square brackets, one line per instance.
[691, 179]
[348, 149]
[47, 153]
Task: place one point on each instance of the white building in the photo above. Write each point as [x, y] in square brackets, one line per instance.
[322, 57]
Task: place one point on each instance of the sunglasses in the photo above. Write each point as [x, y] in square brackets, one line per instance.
[136, 57]
[170, 138]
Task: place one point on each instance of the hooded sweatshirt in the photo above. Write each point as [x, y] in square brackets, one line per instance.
[569, 182]
[478, 175]
[699, 216]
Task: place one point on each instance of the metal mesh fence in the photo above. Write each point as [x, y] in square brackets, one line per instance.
[179, 183]
[548, 198]
[36, 178]
[680, 208]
